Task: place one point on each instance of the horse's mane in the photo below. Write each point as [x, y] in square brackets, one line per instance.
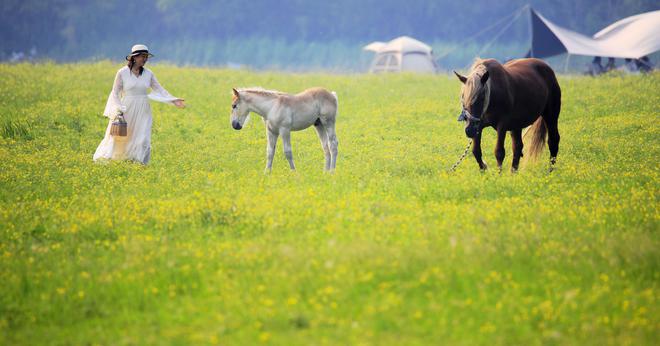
[473, 86]
[475, 64]
[262, 91]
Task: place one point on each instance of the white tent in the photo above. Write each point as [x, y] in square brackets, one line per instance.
[632, 37]
[401, 54]
[639, 35]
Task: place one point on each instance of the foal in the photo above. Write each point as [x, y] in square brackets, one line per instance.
[283, 113]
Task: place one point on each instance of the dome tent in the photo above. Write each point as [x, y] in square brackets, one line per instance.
[402, 54]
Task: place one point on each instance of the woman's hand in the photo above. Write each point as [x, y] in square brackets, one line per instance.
[179, 103]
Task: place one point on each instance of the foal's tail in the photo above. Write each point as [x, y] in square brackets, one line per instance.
[538, 131]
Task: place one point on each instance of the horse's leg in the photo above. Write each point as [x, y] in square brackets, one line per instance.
[476, 151]
[323, 137]
[270, 149]
[286, 143]
[551, 117]
[517, 147]
[499, 147]
[553, 142]
[333, 142]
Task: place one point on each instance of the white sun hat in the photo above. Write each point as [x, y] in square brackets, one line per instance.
[139, 49]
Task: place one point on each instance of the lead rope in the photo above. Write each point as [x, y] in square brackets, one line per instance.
[462, 157]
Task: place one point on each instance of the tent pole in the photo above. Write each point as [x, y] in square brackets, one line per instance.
[568, 57]
[531, 31]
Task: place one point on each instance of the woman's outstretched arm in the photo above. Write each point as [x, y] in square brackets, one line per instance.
[160, 94]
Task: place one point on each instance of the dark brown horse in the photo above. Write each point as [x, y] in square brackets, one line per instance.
[511, 97]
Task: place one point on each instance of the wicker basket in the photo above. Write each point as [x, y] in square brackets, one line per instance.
[119, 127]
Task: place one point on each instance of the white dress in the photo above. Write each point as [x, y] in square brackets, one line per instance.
[129, 95]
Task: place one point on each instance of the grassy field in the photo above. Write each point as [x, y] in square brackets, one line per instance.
[201, 247]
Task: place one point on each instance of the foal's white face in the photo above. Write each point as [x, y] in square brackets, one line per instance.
[239, 111]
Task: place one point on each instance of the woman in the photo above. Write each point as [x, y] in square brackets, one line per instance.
[129, 98]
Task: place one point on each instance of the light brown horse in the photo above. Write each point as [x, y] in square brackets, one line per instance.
[511, 97]
[283, 113]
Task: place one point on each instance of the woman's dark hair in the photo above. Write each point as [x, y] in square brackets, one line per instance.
[130, 63]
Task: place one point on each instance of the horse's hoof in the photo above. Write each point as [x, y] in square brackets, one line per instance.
[514, 170]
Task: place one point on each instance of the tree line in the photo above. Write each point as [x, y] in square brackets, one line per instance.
[70, 30]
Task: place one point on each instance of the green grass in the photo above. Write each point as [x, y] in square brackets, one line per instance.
[200, 247]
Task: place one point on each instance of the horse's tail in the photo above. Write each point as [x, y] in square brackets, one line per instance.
[538, 131]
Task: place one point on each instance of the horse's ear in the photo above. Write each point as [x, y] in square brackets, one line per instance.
[461, 78]
[235, 92]
[484, 78]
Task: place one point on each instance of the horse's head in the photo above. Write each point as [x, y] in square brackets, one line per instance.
[475, 95]
[239, 110]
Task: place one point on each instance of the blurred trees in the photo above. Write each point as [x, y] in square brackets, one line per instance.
[78, 29]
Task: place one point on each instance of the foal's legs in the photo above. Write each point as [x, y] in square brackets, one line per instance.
[499, 147]
[270, 149]
[286, 143]
[517, 147]
[476, 151]
[323, 137]
[332, 141]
